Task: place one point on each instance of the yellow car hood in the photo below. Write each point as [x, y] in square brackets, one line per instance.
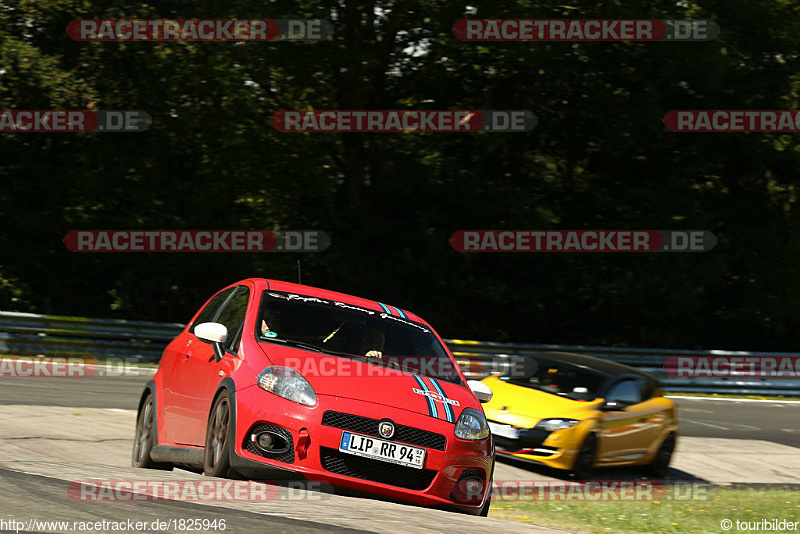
[524, 407]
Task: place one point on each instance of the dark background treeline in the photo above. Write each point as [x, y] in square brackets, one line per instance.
[599, 158]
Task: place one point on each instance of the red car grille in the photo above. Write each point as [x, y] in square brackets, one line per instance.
[369, 427]
[375, 470]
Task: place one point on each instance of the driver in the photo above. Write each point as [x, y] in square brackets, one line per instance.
[373, 342]
[270, 322]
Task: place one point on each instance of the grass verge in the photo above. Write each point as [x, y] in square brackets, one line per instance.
[704, 512]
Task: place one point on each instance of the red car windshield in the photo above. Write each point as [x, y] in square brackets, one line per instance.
[345, 330]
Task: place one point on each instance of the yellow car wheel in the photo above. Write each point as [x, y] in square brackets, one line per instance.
[660, 464]
[585, 459]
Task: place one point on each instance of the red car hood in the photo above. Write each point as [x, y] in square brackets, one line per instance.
[353, 379]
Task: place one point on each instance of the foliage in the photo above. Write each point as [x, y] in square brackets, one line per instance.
[599, 158]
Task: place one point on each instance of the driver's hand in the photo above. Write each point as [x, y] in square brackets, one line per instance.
[374, 354]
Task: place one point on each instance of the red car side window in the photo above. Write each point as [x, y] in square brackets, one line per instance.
[209, 311]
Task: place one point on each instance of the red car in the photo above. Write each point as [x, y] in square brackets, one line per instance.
[277, 380]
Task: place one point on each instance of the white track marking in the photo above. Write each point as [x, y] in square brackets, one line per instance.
[705, 424]
[732, 400]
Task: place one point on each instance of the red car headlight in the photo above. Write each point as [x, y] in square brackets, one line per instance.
[471, 425]
[287, 383]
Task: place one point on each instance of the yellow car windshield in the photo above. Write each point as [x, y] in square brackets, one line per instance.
[560, 378]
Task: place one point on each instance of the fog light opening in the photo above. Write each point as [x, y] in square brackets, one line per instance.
[265, 441]
[270, 442]
[470, 487]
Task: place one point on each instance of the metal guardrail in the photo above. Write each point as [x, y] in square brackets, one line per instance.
[30, 334]
[478, 358]
[27, 334]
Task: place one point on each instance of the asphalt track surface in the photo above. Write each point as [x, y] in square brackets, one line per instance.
[57, 430]
[36, 464]
[27, 496]
[50, 455]
[766, 421]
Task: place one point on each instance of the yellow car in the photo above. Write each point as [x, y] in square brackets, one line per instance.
[576, 412]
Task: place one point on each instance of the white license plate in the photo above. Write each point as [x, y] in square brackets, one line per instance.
[379, 449]
[504, 431]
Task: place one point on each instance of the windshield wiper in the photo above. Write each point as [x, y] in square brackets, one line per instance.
[394, 363]
[293, 343]
[309, 346]
[315, 348]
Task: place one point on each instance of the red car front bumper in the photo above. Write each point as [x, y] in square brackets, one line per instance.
[317, 457]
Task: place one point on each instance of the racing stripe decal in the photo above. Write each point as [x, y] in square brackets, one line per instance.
[448, 410]
[431, 404]
[388, 309]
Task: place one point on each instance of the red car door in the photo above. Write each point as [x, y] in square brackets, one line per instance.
[175, 404]
[168, 404]
[200, 374]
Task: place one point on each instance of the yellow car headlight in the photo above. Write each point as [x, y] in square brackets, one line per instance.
[551, 425]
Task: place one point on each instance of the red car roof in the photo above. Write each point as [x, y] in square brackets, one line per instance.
[279, 285]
